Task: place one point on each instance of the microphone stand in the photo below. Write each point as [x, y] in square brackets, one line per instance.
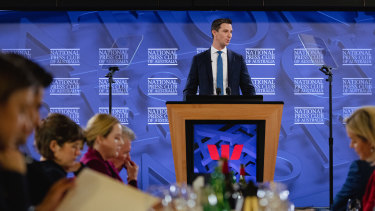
[109, 75]
[327, 71]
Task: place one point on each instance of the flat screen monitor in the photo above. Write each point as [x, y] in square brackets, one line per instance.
[241, 141]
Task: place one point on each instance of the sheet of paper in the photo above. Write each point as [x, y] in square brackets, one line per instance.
[97, 192]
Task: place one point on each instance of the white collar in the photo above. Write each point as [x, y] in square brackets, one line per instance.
[214, 50]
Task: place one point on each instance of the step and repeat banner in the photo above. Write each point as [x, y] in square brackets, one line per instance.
[154, 50]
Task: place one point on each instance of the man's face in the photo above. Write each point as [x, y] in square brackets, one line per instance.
[15, 120]
[33, 112]
[223, 36]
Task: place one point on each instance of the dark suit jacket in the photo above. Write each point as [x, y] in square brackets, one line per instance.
[201, 75]
[355, 184]
[13, 191]
[41, 176]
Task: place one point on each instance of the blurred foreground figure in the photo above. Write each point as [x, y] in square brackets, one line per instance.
[18, 114]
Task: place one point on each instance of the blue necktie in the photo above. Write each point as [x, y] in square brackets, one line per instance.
[219, 76]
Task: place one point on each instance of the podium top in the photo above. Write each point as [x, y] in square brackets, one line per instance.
[224, 99]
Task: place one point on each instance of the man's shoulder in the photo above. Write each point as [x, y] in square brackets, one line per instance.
[203, 53]
[202, 57]
[233, 53]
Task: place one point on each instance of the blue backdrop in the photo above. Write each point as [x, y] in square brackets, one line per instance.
[154, 50]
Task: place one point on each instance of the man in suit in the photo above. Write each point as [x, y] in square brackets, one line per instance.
[219, 69]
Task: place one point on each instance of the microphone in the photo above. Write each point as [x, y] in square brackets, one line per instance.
[218, 91]
[228, 90]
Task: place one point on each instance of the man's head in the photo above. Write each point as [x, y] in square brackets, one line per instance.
[17, 86]
[221, 30]
[42, 80]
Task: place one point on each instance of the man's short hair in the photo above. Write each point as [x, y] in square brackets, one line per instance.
[217, 23]
[43, 78]
[14, 75]
[56, 127]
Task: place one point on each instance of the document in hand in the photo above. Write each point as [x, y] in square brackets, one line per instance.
[97, 192]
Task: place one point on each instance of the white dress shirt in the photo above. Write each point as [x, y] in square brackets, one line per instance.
[224, 57]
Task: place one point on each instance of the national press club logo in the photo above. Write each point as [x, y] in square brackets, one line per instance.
[308, 115]
[264, 86]
[308, 56]
[347, 111]
[113, 56]
[157, 115]
[162, 56]
[121, 113]
[162, 86]
[65, 56]
[362, 57]
[65, 86]
[308, 86]
[25, 52]
[120, 87]
[71, 112]
[357, 86]
[260, 56]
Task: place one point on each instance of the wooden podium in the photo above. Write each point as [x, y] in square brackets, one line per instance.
[178, 112]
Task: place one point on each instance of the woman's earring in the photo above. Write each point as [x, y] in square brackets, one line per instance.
[372, 149]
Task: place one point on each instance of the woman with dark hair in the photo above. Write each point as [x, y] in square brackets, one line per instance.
[59, 140]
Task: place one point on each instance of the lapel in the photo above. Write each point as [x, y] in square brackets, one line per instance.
[209, 69]
[229, 59]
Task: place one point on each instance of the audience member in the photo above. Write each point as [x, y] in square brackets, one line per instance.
[59, 140]
[360, 127]
[17, 88]
[123, 160]
[42, 80]
[104, 138]
[355, 184]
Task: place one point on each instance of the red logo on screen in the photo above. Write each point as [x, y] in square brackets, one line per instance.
[214, 154]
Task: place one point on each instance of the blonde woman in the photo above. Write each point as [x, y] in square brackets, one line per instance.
[360, 127]
[104, 138]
